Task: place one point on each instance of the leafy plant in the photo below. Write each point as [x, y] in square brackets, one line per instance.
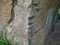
[4, 40]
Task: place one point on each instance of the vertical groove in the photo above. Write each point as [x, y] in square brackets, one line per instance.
[14, 2]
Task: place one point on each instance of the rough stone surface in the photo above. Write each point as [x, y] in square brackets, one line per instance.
[5, 11]
[29, 21]
[54, 37]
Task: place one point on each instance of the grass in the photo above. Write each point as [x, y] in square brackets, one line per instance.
[4, 40]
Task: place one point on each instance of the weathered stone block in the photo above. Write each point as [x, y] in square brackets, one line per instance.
[5, 11]
[28, 26]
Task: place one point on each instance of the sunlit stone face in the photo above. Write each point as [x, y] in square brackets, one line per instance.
[29, 20]
[5, 11]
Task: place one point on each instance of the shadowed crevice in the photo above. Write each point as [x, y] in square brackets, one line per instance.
[14, 2]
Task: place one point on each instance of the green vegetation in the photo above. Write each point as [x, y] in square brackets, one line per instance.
[58, 13]
[4, 40]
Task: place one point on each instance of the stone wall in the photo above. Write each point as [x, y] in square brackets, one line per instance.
[27, 25]
[5, 11]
